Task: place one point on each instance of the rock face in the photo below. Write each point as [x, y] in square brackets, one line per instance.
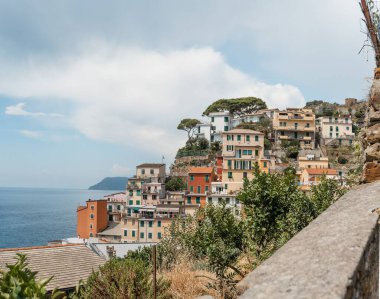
[371, 136]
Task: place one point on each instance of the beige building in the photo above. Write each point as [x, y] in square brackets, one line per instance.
[154, 171]
[312, 176]
[295, 124]
[242, 148]
[311, 161]
[331, 128]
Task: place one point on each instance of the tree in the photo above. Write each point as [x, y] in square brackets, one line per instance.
[128, 278]
[175, 184]
[275, 210]
[236, 106]
[188, 125]
[20, 282]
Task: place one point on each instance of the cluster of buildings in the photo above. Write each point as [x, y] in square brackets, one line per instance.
[144, 211]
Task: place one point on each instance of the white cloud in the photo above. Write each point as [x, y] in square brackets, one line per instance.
[19, 110]
[136, 97]
[31, 134]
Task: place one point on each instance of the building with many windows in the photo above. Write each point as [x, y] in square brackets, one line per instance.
[330, 127]
[92, 218]
[199, 184]
[295, 124]
[220, 122]
[242, 148]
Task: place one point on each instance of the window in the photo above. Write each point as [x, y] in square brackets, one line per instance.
[191, 189]
[244, 174]
[307, 134]
[92, 207]
[118, 207]
[92, 216]
[189, 200]
[228, 137]
[207, 178]
[225, 128]
[225, 186]
[265, 164]
[143, 171]
[142, 235]
[230, 148]
[130, 193]
[337, 128]
[91, 235]
[191, 177]
[337, 135]
[138, 192]
[137, 202]
[152, 171]
[142, 223]
[133, 233]
[347, 128]
[199, 189]
[226, 119]
[149, 235]
[230, 175]
[256, 138]
[110, 218]
[150, 223]
[238, 137]
[198, 200]
[159, 223]
[130, 202]
[125, 233]
[145, 196]
[206, 188]
[330, 135]
[109, 208]
[247, 138]
[227, 200]
[212, 119]
[256, 152]
[209, 200]
[295, 135]
[307, 125]
[229, 164]
[91, 226]
[154, 196]
[331, 128]
[159, 236]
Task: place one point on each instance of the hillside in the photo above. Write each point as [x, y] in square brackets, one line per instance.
[111, 183]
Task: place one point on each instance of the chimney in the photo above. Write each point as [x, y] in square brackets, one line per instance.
[111, 251]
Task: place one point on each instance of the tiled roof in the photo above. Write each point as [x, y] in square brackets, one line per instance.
[67, 263]
[321, 171]
[113, 229]
[201, 169]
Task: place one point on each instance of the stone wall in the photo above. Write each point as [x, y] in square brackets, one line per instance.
[371, 135]
[335, 256]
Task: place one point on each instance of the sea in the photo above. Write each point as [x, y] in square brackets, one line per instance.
[34, 216]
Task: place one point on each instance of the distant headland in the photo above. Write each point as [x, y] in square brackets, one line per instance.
[110, 183]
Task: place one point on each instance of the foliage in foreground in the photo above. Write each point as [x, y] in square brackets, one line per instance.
[20, 282]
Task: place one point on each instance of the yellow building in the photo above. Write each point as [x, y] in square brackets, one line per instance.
[311, 161]
[242, 148]
[295, 124]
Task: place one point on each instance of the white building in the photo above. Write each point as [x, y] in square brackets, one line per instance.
[335, 128]
[220, 122]
[203, 131]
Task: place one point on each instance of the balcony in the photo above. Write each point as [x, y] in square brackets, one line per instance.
[294, 128]
[283, 137]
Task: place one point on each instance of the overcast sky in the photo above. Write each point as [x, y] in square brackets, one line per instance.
[89, 89]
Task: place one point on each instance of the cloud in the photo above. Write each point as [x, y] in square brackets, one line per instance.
[31, 134]
[19, 110]
[136, 97]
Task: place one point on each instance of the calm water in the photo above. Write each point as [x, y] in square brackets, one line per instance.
[30, 217]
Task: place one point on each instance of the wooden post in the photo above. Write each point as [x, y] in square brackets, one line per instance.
[154, 273]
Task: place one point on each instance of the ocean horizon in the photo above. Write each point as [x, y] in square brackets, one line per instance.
[35, 216]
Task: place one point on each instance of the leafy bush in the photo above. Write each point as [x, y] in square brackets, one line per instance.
[342, 160]
[175, 184]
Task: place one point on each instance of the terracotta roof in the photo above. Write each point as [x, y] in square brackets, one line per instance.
[321, 171]
[243, 131]
[67, 263]
[201, 169]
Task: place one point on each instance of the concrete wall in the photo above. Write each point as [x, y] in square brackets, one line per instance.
[336, 256]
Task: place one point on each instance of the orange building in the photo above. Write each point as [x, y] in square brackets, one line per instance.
[199, 184]
[92, 218]
[219, 167]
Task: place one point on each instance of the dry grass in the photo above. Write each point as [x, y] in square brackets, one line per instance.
[187, 283]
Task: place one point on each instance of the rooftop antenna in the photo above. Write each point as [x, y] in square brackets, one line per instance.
[163, 160]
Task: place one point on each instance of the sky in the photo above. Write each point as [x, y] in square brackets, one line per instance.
[90, 89]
